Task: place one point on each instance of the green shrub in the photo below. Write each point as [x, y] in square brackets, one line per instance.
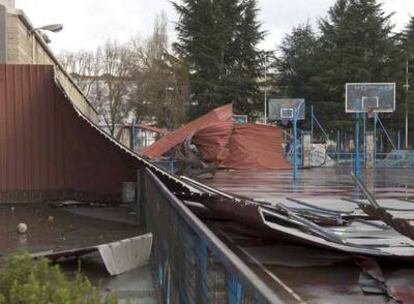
[24, 280]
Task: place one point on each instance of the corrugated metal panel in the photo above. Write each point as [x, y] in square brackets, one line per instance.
[46, 150]
[173, 139]
[255, 147]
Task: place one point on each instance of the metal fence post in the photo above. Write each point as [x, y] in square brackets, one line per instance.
[295, 145]
[234, 289]
[312, 126]
[399, 141]
[357, 169]
[365, 136]
[375, 137]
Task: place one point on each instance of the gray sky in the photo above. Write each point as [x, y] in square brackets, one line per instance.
[89, 23]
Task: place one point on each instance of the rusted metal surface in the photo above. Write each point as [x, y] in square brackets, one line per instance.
[56, 229]
[220, 141]
[46, 150]
[375, 210]
[253, 147]
[175, 138]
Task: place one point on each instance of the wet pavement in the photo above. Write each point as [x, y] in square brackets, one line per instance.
[307, 274]
[51, 228]
[58, 228]
[133, 287]
[316, 182]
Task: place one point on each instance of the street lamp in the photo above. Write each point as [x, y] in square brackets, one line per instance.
[53, 28]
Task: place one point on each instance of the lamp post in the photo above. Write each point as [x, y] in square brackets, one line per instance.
[53, 28]
[265, 54]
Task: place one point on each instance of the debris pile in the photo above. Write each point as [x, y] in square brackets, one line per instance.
[218, 142]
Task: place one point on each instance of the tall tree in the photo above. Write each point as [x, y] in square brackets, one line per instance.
[406, 67]
[355, 46]
[161, 89]
[296, 63]
[218, 40]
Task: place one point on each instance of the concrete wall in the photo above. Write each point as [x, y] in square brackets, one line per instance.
[23, 46]
[3, 34]
[19, 45]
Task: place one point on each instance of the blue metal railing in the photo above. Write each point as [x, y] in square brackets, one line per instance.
[190, 263]
[396, 158]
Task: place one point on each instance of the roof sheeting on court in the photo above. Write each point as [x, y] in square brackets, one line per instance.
[176, 137]
[254, 146]
[212, 141]
[220, 140]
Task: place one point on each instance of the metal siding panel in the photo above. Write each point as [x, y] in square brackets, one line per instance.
[3, 172]
[27, 125]
[43, 126]
[36, 127]
[51, 142]
[45, 145]
[19, 130]
[60, 163]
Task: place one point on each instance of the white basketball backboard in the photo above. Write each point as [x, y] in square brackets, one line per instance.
[370, 97]
[283, 108]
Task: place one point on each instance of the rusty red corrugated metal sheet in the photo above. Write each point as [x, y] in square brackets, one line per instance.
[176, 137]
[212, 141]
[255, 147]
[46, 150]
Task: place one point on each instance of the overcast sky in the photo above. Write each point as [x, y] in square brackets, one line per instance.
[89, 23]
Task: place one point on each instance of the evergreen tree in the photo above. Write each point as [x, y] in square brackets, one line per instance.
[296, 64]
[406, 68]
[218, 39]
[355, 46]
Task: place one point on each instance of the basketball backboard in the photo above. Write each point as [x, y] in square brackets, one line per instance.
[240, 119]
[370, 97]
[283, 108]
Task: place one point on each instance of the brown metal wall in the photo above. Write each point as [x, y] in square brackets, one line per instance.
[47, 151]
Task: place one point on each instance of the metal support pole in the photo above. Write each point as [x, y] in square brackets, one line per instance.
[407, 89]
[357, 169]
[338, 144]
[265, 90]
[312, 126]
[399, 141]
[295, 145]
[365, 137]
[133, 135]
[338, 141]
[375, 137]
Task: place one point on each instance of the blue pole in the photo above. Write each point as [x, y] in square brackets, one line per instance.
[357, 169]
[365, 137]
[295, 148]
[375, 137]
[399, 141]
[338, 144]
[312, 126]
